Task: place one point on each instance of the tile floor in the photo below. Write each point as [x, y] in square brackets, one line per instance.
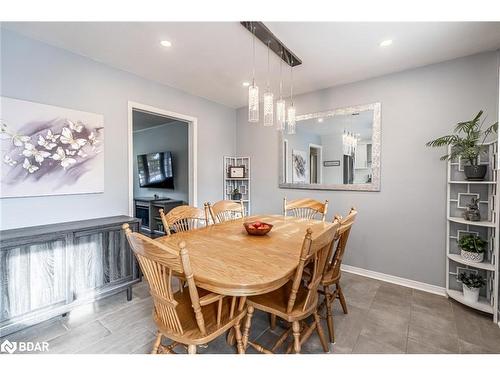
[382, 318]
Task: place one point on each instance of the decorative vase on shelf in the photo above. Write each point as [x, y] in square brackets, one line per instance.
[472, 212]
[472, 248]
[472, 257]
[475, 172]
[236, 195]
[471, 284]
[471, 295]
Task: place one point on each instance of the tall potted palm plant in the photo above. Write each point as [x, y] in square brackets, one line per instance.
[466, 143]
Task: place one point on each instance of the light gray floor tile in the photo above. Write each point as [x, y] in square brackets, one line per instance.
[79, 338]
[468, 348]
[432, 303]
[367, 345]
[382, 318]
[434, 322]
[45, 331]
[386, 333]
[98, 309]
[124, 341]
[438, 339]
[416, 347]
[141, 311]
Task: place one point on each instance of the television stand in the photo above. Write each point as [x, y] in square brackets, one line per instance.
[148, 210]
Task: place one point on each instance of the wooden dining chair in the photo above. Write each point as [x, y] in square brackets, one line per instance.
[183, 218]
[330, 282]
[295, 301]
[191, 317]
[305, 208]
[226, 210]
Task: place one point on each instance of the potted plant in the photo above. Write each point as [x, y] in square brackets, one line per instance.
[466, 143]
[236, 195]
[472, 248]
[471, 283]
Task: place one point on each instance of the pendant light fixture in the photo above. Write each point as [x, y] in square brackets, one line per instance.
[291, 108]
[285, 117]
[268, 97]
[253, 90]
[280, 104]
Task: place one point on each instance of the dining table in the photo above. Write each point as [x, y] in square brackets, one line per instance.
[226, 260]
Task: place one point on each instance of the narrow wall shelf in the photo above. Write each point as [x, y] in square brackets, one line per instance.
[473, 182]
[482, 304]
[483, 265]
[459, 193]
[483, 223]
[240, 183]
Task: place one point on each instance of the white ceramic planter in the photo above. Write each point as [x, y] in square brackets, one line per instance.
[472, 257]
[471, 295]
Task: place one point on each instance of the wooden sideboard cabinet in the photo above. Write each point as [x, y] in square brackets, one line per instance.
[48, 270]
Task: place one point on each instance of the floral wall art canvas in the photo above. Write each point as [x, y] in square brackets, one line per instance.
[48, 150]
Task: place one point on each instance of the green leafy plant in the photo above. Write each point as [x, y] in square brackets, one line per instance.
[236, 191]
[471, 280]
[472, 243]
[466, 141]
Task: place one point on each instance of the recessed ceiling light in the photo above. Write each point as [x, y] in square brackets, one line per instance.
[246, 84]
[320, 120]
[386, 43]
[166, 43]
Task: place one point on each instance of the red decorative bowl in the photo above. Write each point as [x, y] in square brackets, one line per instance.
[257, 228]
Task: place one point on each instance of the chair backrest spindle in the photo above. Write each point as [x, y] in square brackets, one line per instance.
[158, 264]
[305, 208]
[315, 251]
[342, 235]
[183, 218]
[226, 210]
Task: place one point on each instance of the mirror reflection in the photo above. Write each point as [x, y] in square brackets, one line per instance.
[332, 149]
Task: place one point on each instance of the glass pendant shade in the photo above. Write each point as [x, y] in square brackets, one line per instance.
[280, 115]
[268, 108]
[291, 120]
[253, 103]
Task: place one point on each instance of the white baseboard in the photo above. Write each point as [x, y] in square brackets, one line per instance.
[395, 280]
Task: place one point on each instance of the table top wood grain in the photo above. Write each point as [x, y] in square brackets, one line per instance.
[226, 260]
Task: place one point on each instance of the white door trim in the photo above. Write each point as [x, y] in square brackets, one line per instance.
[192, 150]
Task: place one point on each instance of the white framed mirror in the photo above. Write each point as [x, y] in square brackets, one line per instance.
[333, 150]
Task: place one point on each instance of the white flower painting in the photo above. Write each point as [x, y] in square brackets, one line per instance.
[47, 150]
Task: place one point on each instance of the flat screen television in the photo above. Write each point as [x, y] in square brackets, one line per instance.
[155, 170]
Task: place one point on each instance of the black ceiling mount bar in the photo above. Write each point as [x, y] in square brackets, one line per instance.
[266, 36]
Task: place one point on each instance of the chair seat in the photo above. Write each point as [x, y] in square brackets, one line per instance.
[276, 302]
[192, 333]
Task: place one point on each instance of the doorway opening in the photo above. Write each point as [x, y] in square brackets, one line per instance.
[315, 163]
[162, 164]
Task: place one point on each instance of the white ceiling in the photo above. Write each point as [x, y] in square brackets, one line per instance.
[143, 120]
[212, 59]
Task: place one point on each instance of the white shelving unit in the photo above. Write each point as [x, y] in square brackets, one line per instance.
[243, 184]
[459, 193]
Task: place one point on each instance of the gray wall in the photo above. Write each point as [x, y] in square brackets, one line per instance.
[41, 73]
[401, 229]
[171, 137]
